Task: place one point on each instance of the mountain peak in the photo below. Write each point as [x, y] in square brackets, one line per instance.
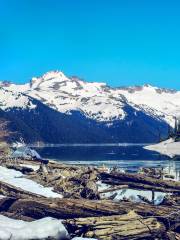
[147, 85]
[53, 74]
[5, 83]
[48, 76]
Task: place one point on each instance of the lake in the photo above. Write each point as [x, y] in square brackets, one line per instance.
[129, 157]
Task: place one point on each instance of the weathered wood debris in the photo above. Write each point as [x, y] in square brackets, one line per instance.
[115, 227]
[140, 181]
[85, 210]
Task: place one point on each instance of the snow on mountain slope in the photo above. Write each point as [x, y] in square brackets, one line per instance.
[10, 99]
[97, 100]
[64, 94]
[162, 102]
[67, 94]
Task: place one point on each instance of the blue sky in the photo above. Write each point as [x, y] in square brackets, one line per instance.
[121, 42]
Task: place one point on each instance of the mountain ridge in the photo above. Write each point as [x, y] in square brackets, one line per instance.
[77, 94]
[112, 113]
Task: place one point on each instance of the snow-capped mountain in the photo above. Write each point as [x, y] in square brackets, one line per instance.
[118, 114]
[64, 94]
[97, 100]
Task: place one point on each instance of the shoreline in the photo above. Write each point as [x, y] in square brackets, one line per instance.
[169, 148]
[86, 192]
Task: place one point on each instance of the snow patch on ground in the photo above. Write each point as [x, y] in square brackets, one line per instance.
[25, 152]
[168, 147]
[2, 196]
[130, 194]
[44, 228]
[17, 179]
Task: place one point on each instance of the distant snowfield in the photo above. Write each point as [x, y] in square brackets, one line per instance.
[168, 147]
[17, 179]
[156, 101]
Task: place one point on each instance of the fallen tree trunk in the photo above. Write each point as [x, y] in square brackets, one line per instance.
[114, 189]
[128, 226]
[23, 169]
[12, 191]
[57, 165]
[171, 200]
[140, 181]
[37, 208]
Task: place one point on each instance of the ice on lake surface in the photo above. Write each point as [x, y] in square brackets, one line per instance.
[129, 157]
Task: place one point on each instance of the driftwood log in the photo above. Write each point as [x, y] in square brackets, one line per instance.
[112, 189]
[23, 169]
[171, 200]
[140, 181]
[37, 208]
[128, 226]
[12, 191]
